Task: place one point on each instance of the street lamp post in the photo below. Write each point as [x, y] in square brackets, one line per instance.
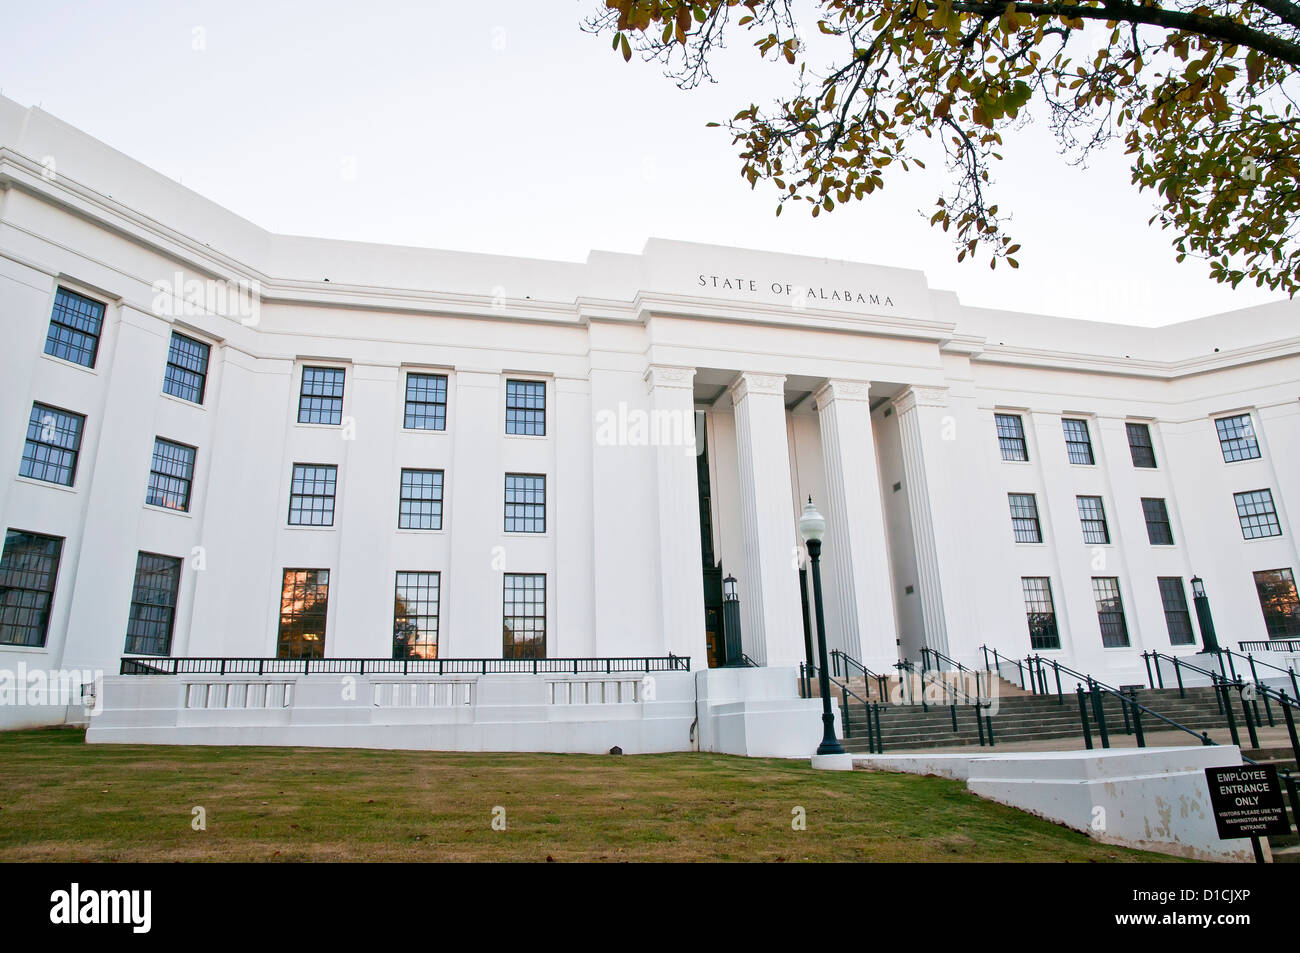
[1211, 642]
[812, 526]
[733, 648]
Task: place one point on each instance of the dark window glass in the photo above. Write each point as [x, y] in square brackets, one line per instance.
[321, 398]
[1078, 445]
[1257, 515]
[526, 407]
[74, 328]
[421, 503]
[304, 603]
[187, 368]
[1040, 610]
[1237, 438]
[1277, 597]
[170, 475]
[53, 444]
[311, 495]
[415, 615]
[1110, 612]
[525, 503]
[29, 567]
[1092, 516]
[1177, 619]
[524, 631]
[153, 605]
[1139, 445]
[426, 402]
[1159, 532]
[1011, 437]
[1024, 518]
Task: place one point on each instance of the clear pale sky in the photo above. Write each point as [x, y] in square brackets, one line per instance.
[498, 126]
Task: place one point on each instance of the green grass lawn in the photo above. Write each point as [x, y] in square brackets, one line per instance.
[61, 799]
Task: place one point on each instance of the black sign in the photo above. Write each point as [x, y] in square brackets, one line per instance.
[1247, 801]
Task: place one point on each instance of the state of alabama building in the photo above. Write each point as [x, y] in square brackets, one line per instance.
[222, 443]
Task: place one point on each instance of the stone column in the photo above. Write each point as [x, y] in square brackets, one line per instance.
[855, 559]
[772, 619]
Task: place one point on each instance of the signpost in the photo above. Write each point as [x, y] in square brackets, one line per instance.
[1247, 802]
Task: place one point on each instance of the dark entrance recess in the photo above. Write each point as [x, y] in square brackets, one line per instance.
[714, 626]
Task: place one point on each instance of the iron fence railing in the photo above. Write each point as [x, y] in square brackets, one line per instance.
[145, 665]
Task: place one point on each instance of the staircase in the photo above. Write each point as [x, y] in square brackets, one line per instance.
[1285, 847]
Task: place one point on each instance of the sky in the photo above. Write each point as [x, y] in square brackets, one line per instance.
[498, 126]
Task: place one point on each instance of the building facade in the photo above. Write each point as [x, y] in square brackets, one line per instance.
[218, 441]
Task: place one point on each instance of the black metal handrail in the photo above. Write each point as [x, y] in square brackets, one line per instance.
[841, 659]
[875, 744]
[1270, 645]
[928, 653]
[194, 665]
[748, 662]
[998, 659]
[1254, 663]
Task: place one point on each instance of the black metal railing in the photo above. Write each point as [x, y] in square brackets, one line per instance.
[1270, 645]
[140, 665]
[1000, 660]
[844, 665]
[747, 662]
[875, 744]
[1253, 665]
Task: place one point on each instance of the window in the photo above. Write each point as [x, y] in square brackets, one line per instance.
[421, 503]
[1177, 620]
[304, 602]
[415, 615]
[1257, 515]
[74, 328]
[1237, 438]
[525, 503]
[1277, 597]
[524, 631]
[1078, 445]
[1041, 612]
[321, 398]
[53, 443]
[1011, 436]
[1156, 514]
[1110, 612]
[426, 402]
[28, 569]
[1139, 445]
[187, 368]
[170, 475]
[311, 495]
[526, 407]
[153, 605]
[1092, 515]
[1024, 518]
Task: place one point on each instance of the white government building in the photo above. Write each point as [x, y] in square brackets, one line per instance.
[220, 442]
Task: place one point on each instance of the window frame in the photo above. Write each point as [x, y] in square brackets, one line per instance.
[436, 615]
[332, 496]
[439, 482]
[1162, 520]
[524, 505]
[295, 618]
[1019, 443]
[1181, 613]
[1288, 628]
[1247, 436]
[177, 564]
[1252, 520]
[1117, 610]
[97, 336]
[1085, 520]
[510, 646]
[1146, 444]
[29, 442]
[1071, 444]
[407, 401]
[25, 605]
[303, 396]
[154, 472]
[1040, 597]
[1025, 517]
[183, 370]
[523, 408]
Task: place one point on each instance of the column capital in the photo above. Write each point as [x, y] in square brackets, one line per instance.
[669, 375]
[921, 397]
[749, 382]
[840, 389]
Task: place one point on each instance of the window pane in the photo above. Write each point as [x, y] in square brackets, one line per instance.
[321, 399]
[420, 505]
[53, 444]
[1024, 518]
[426, 402]
[311, 495]
[1078, 445]
[304, 603]
[1110, 612]
[153, 605]
[1159, 532]
[1139, 445]
[1092, 516]
[1277, 597]
[187, 368]
[526, 407]
[415, 615]
[1177, 619]
[525, 503]
[29, 567]
[1040, 612]
[1237, 438]
[170, 475]
[1011, 437]
[74, 328]
[524, 631]
[1257, 515]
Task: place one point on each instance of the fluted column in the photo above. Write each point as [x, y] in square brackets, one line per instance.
[681, 579]
[855, 559]
[919, 409]
[772, 621]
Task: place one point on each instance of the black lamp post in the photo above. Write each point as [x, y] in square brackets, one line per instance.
[1211, 642]
[812, 527]
[732, 646]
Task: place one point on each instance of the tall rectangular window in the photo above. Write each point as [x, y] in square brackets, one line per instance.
[75, 325]
[1278, 600]
[1040, 611]
[525, 503]
[426, 402]
[187, 368]
[1237, 438]
[1110, 612]
[415, 615]
[1159, 532]
[1140, 447]
[1024, 518]
[153, 605]
[29, 567]
[1011, 437]
[526, 407]
[1092, 516]
[170, 475]
[1078, 444]
[304, 604]
[1177, 619]
[321, 399]
[311, 494]
[53, 445]
[1257, 515]
[524, 630]
[421, 502]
